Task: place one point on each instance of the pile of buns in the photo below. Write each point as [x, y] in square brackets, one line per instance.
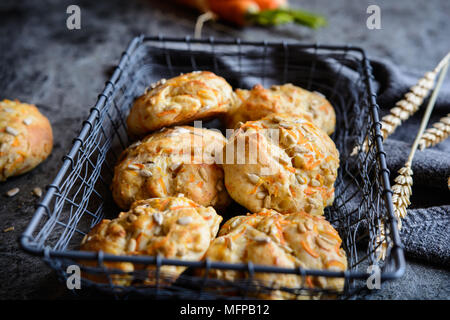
[175, 180]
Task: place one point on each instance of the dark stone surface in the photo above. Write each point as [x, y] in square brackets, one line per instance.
[62, 72]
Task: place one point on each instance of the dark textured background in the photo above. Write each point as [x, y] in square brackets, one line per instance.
[63, 71]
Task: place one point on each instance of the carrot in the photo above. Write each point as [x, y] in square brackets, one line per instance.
[309, 282]
[291, 169]
[309, 191]
[332, 235]
[271, 4]
[165, 113]
[256, 187]
[15, 142]
[233, 10]
[252, 126]
[262, 12]
[335, 263]
[292, 191]
[162, 184]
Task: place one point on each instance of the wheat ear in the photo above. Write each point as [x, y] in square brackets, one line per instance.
[411, 102]
[437, 134]
[402, 190]
[406, 107]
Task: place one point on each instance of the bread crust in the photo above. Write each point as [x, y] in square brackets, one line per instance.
[289, 241]
[173, 227]
[259, 102]
[26, 138]
[180, 100]
[172, 161]
[295, 168]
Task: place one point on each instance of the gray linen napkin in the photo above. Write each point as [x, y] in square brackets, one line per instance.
[426, 228]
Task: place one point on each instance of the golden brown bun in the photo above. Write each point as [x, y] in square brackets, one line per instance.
[180, 100]
[26, 138]
[289, 241]
[259, 102]
[294, 169]
[173, 227]
[163, 164]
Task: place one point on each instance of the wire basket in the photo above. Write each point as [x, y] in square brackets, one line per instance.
[79, 196]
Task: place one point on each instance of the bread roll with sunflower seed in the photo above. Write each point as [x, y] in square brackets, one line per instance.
[283, 163]
[281, 240]
[172, 161]
[180, 100]
[26, 138]
[259, 102]
[173, 227]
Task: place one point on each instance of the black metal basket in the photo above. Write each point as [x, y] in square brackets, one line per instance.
[79, 196]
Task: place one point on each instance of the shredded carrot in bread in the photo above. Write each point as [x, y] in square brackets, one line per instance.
[256, 187]
[316, 150]
[159, 243]
[331, 234]
[18, 160]
[164, 113]
[163, 185]
[315, 228]
[309, 282]
[323, 107]
[302, 140]
[280, 233]
[15, 142]
[335, 263]
[292, 191]
[237, 235]
[309, 191]
[308, 249]
[138, 239]
[252, 126]
[181, 207]
[310, 166]
[275, 192]
[331, 192]
[291, 169]
[337, 249]
[162, 204]
[310, 157]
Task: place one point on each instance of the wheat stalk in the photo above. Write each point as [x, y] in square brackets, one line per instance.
[406, 107]
[412, 100]
[402, 190]
[437, 134]
[207, 16]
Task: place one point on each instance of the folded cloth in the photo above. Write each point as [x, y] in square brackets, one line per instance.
[425, 232]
